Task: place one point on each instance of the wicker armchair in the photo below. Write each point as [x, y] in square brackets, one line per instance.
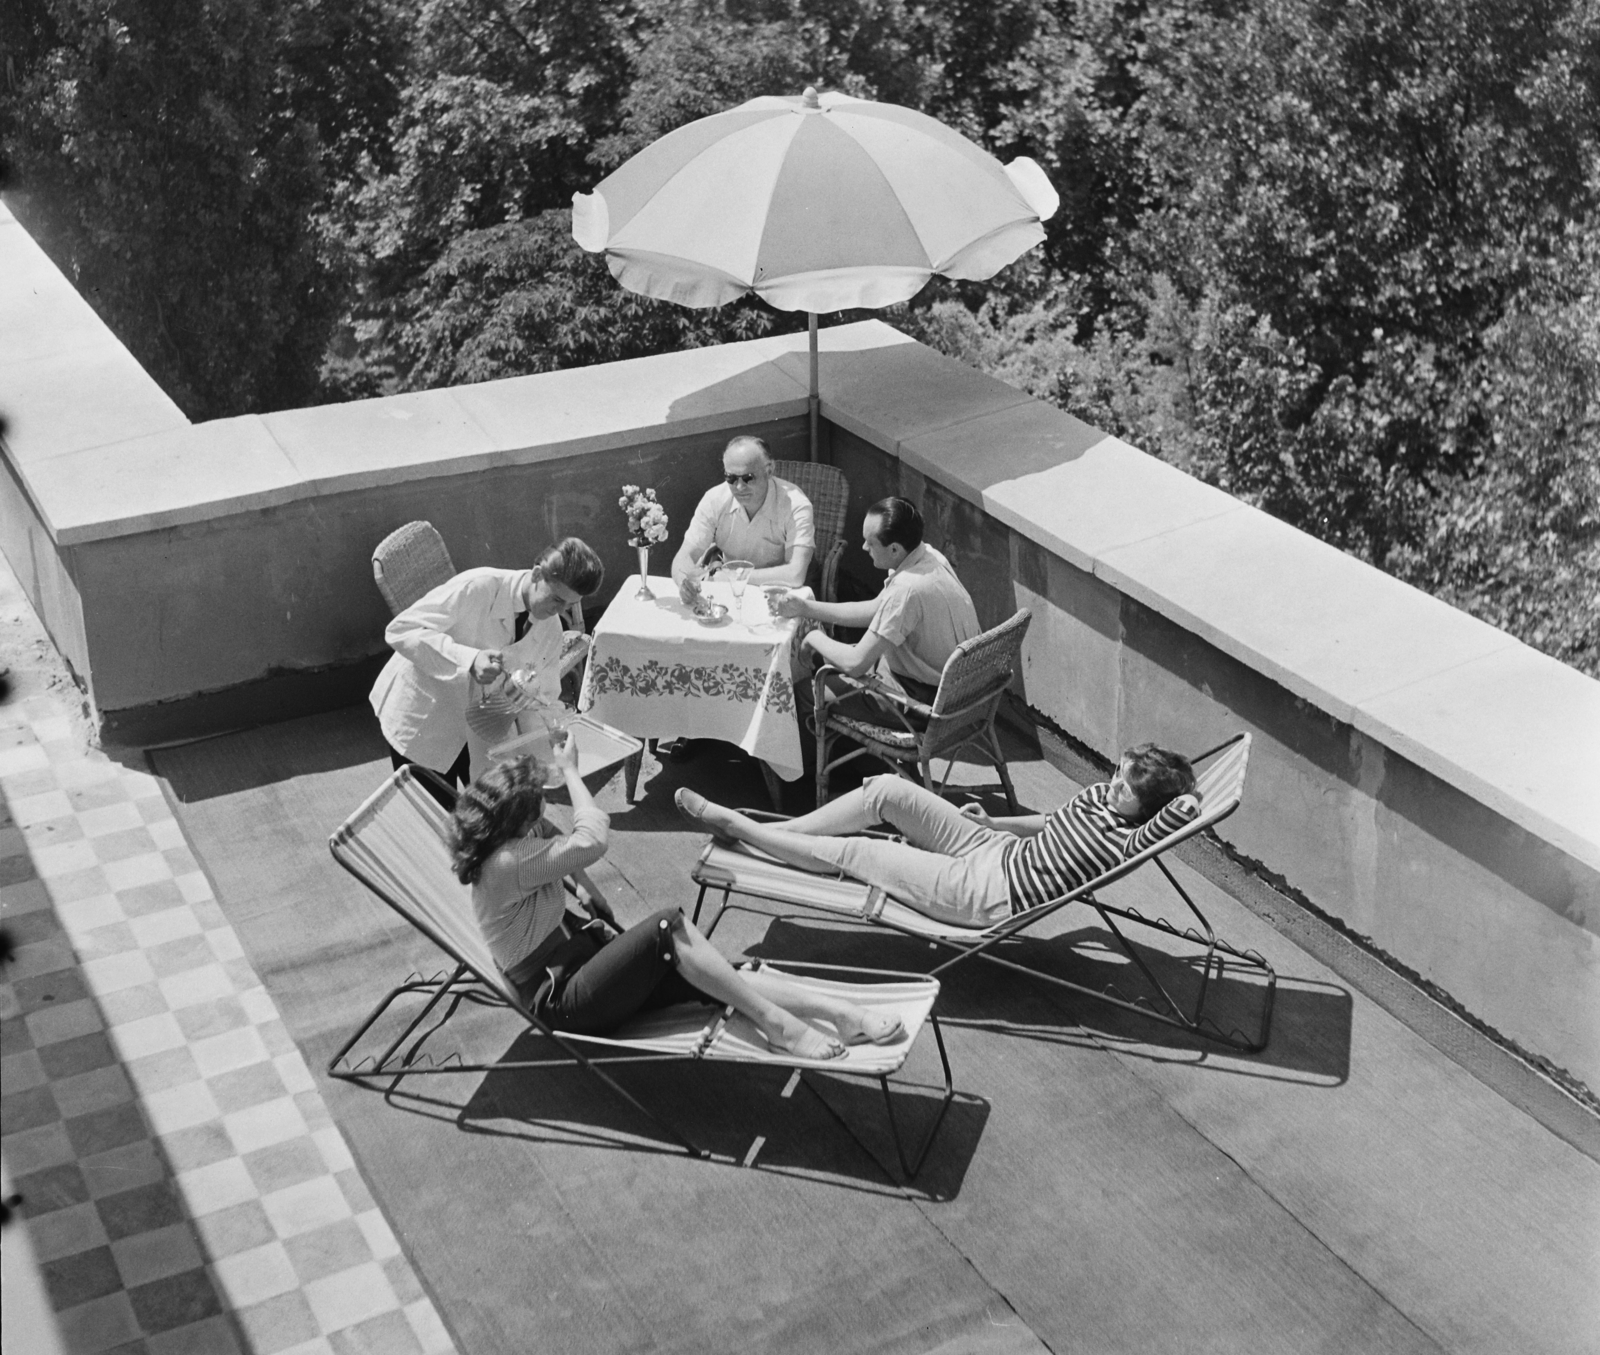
[829, 493]
[961, 717]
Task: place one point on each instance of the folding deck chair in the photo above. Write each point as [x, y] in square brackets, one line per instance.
[745, 871]
[395, 845]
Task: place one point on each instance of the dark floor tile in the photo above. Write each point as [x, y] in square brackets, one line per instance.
[181, 860]
[327, 1250]
[205, 1019]
[140, 1211]
[51, 1188]
[175, 1301]
[235, 1229]
[81, 1054]
[16, 869]
[386, 1334]
[27, 1110]
[14, 1036]
[180, 955]
[214, 1336]
[123, 843]
[26, 928]
[76, 1279]
[198, 1146]
[43, 990]
[246, 1087]
[285, 1164]
[102, 1130]
[130, 1348]
[150, 898]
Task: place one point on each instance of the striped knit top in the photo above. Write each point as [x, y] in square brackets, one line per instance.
[1082, 841]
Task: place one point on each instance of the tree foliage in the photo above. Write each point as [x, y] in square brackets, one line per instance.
[1336, 256]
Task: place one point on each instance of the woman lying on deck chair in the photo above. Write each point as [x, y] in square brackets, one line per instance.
[959, 866]
[592, 981]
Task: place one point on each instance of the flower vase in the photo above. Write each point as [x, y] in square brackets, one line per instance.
[644, 573]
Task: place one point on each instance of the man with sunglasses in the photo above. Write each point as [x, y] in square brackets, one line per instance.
[752, 515]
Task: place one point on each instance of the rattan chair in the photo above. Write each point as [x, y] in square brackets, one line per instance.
[829, 493]
[912, 734]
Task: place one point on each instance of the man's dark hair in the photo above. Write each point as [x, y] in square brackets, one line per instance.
[572, 563]
[899, 523]
[1156, 776]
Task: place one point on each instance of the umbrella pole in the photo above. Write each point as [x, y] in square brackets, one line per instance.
[815, 399]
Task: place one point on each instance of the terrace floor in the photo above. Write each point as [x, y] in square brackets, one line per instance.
[189, 956]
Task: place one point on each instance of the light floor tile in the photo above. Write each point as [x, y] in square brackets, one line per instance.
[224, 942]
[237, 1048]
[156, 1254]
[205, 983]
[351, 1296]
[168, 925]
[166, 834]
[150, 1035]
[194, 886]
[84, 915]
[218, 1186]
[380, 1237]
[144, 869]
[253, 1276]
[66, 1232]
[296, 1076]
[28, 810]
[109, 819]
[63, 858]
[180, 1107]
[85, 1093]
[262, 1126]
[51, 1025]
[21, 1072]
[310, 1204]
[112, 973]
[429, 1327]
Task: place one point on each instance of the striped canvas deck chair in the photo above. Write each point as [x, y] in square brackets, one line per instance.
[746, 873]
[395, 845]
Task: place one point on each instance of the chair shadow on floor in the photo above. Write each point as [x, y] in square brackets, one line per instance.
[1311, 1019]
[820, 1126]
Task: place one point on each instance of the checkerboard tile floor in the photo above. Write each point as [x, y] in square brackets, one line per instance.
[184, 1187]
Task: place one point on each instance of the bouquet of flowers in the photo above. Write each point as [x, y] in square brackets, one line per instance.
[647, 519]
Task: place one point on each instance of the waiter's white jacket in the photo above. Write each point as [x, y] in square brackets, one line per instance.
[421, 696]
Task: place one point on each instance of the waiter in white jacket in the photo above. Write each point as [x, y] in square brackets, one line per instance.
[465, 636]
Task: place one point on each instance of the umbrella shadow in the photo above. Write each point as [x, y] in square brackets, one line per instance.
[1309, 1039]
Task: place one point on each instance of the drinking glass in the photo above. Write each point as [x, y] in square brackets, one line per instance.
[738, 572]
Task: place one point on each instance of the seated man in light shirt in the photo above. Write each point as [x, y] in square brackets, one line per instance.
[751, 516]
[913, 625]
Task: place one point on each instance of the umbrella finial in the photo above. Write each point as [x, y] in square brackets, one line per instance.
[809, 98]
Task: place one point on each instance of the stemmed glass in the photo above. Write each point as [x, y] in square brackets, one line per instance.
[738, 572]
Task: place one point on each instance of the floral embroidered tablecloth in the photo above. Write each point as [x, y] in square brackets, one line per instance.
[655, 672]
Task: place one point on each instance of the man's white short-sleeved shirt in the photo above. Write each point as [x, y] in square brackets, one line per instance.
[782, 524]
[923, 613]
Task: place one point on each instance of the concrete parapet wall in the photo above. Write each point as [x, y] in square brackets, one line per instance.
[1419, 775]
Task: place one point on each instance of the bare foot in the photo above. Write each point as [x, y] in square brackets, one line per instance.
[860, 1026]
[804, 1042]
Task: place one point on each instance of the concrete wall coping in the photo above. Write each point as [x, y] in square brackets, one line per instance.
[53, 347]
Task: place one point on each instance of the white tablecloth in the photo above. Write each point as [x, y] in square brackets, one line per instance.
[655, 672]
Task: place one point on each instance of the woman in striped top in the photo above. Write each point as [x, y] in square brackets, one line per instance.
[590, 980]
[960, 865]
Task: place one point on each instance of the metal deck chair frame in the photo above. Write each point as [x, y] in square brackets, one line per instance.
[960, 718]
[1220, 787]
[477, 980]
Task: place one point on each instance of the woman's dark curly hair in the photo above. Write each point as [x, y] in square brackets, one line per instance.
[500, 806]
[1157, 776]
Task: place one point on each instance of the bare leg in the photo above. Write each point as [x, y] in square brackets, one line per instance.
[705, 967]
[794, 849]
[853, 1022]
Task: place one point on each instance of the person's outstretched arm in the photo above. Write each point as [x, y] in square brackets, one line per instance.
[1020, 825]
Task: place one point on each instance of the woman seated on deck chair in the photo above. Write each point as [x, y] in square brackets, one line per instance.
[590, 981]
[959, 866]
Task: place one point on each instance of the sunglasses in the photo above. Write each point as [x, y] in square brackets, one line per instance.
[735, 479]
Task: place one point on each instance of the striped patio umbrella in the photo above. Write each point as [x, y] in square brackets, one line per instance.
[817, 203]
